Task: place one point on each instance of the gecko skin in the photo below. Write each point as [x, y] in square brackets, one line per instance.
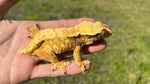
[49, 42]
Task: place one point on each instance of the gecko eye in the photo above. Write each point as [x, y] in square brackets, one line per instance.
[103, 32]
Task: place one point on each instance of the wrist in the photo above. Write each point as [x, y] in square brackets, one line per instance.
[5, 5]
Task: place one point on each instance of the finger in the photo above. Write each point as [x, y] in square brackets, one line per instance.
[105, 25]
[45, 70]
[63, 23]
[97, 46]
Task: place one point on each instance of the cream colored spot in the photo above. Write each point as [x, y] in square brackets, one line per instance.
[48, 47]
[62, 45]
[66, 41]
[56, 47]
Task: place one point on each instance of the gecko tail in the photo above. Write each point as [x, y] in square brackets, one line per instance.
[35, 29]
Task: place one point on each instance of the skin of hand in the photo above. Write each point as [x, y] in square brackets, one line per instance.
[16, 67]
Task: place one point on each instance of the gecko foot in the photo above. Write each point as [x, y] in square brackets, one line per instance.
[83, 64]
[62, 66]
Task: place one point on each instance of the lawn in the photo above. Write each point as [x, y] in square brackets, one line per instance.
[126, 58]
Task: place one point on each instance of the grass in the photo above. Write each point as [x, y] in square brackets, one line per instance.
[126, 58]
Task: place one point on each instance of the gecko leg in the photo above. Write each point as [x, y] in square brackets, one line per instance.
[50, 56]
[78, 58]
[35, 29]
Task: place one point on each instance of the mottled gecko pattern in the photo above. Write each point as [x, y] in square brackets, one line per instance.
[49, 42]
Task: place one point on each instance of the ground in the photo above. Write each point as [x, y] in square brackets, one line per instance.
[126, 58]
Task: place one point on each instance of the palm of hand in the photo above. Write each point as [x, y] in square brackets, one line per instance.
[18, 66]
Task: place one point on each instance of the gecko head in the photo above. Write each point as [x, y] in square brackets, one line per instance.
[99, 31]
[104, 30]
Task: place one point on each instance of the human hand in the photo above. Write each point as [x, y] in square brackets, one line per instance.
[16, 67]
